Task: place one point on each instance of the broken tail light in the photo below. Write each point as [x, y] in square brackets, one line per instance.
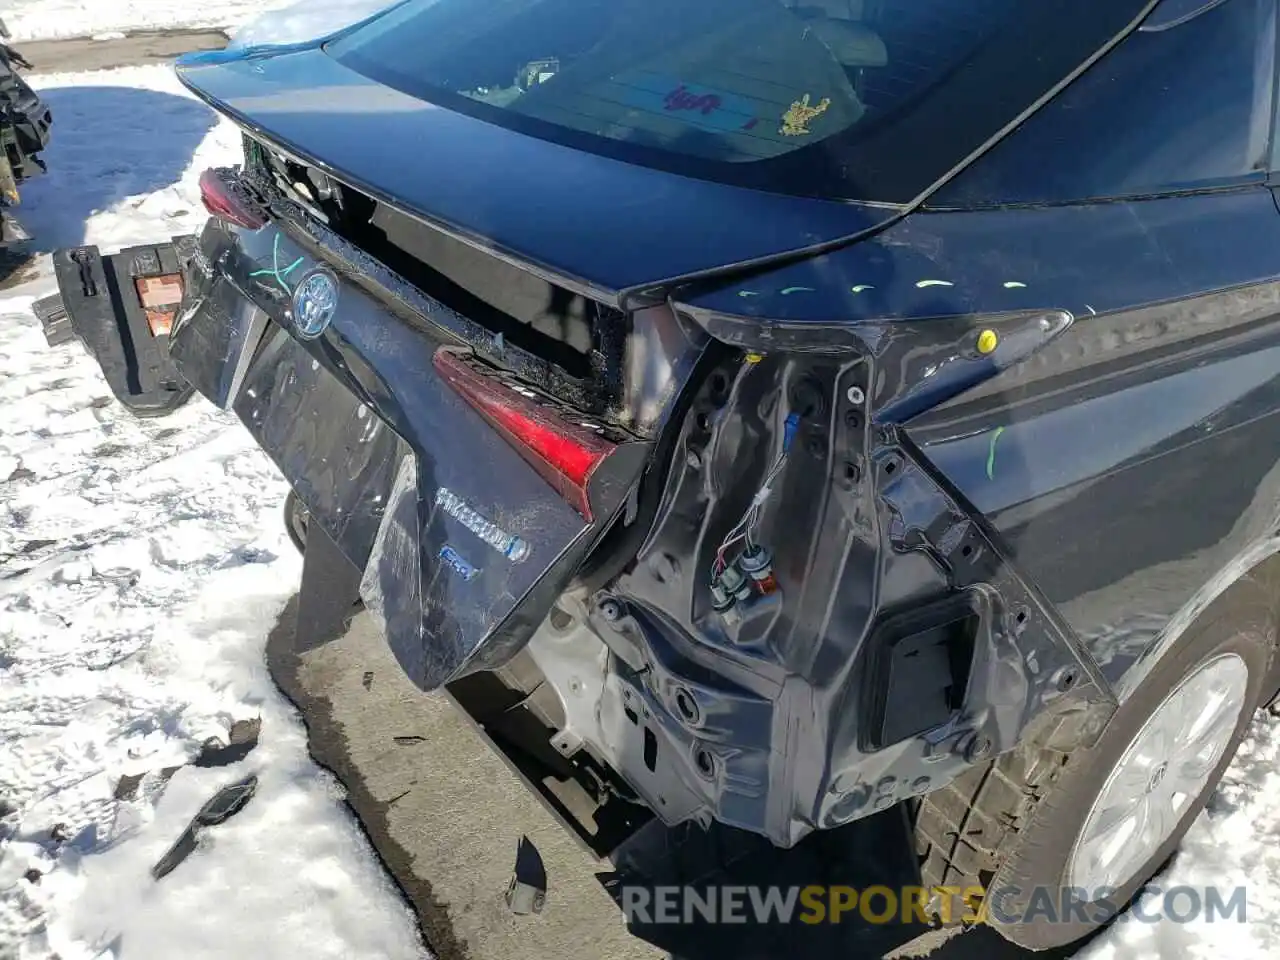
[226, 201]
[565, 454]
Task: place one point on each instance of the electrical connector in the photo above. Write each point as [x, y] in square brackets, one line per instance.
[735, 583]
[729, 589]
[721, 599]
[757, 563]
[789, 429]
[722, 572]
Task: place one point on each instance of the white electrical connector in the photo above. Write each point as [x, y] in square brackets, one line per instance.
[744, 529]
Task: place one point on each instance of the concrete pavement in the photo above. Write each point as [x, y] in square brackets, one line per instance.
[443, 810]
[144, 47]
[445, 814]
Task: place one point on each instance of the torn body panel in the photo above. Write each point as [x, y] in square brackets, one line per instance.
[376, 441]
[787, 715]
[1164, 377]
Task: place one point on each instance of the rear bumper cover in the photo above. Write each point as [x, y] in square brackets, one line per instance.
[98, 306]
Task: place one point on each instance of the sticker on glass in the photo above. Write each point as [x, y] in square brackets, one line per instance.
[795, 122]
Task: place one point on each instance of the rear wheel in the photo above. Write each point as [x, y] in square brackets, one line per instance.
[295, 521]
[1037, 827]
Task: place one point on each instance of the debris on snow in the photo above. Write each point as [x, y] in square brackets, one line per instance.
[218, 809]
[104, 19]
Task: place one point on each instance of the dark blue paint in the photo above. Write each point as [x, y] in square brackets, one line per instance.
[368, 433]
[522, 197]
[1065, 446]
[1141, 479]
[1195, 113]
[1086, 259]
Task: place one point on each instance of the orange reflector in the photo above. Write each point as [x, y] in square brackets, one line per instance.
[160, 297]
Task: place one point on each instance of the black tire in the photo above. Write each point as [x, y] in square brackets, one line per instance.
[295, 521]
[1011, 825]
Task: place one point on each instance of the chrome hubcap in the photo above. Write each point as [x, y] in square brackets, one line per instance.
[1164, 768]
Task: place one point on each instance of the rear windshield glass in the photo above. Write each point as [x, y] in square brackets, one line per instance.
[858, 99]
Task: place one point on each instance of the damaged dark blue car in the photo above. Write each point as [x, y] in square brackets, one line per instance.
[770, 412]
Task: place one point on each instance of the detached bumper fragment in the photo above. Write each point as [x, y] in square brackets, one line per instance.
[121, 308]
[25, 121]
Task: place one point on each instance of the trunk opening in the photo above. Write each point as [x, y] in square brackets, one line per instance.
[578, 335]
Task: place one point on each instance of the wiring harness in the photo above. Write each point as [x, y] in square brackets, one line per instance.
[740, 578]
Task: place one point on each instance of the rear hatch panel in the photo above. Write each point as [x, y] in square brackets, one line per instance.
[401, 472]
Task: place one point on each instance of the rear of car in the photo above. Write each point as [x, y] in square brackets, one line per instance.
[613, 350]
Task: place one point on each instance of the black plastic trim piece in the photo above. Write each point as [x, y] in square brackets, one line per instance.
[909, 649]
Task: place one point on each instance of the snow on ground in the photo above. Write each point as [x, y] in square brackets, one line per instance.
[1235, 844]
[270, 21]
[46, 19]
[142, 564]
[305, 21]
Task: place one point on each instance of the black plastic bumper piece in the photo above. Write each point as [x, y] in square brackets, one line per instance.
[100, 306]
[11, 229]
[54, 320]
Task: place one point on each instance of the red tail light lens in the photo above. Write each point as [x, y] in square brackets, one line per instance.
[223, 200]
[565, 454]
